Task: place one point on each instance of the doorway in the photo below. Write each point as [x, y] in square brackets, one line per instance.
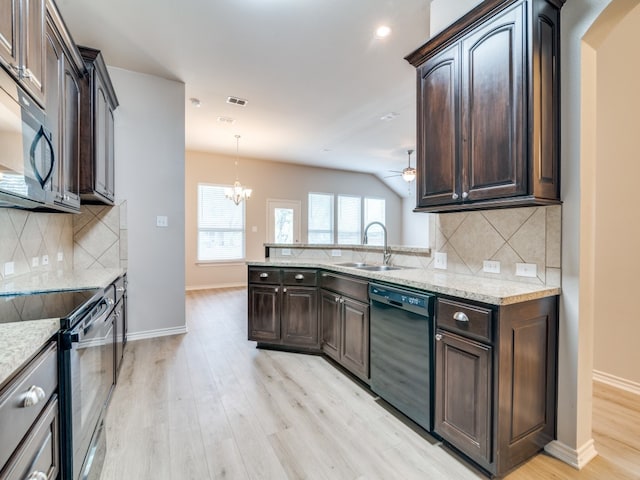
[283, 224]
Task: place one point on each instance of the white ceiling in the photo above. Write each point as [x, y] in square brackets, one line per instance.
[316, 79]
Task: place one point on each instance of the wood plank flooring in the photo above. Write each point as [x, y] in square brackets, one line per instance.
[209, 405]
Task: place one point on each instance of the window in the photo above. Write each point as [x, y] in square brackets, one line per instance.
[320, 218]
[349, 220]
[220, 225]
[342, 222]
[374, 211]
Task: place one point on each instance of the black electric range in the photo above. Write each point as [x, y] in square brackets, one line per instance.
[68, 305]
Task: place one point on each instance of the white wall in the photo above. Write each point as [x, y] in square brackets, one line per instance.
[149, 155]
[415, 226]
[445, 12]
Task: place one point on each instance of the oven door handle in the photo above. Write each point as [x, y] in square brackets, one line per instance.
[85, 326]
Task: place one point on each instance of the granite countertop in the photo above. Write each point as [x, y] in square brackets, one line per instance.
[59, 280]
[486, 290]
[357, 247]
[19, 341]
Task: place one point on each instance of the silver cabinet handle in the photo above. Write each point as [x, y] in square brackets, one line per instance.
[337, 299]
[342, 300]
[120, 289]
[438, 336]
[33, 396]
[264, 275]
[277, 290]
[37, 476]
[110, 301]
[460, 317]
[299, 277]
[454, 196]
[465, 194]
[284, 290]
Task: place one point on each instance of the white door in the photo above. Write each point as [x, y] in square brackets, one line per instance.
[283, 221]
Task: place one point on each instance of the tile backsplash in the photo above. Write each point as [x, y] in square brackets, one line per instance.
[95, 238]
[510, 236]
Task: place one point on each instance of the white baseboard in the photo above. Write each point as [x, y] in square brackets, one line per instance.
[617, 382]
[576, 458]
[160, 332]
[215, 285]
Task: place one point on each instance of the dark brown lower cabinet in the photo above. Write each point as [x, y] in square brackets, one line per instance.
[495, 379]
[283, 314]
[345, 323]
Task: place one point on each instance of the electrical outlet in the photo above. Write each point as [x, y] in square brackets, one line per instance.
[526, 270]
[9, 268]
[35, 261]
[336, 253]
[45, 259]
[286, 252]
[60, 256]
[440, 260]
[491, 266]
[162, 221]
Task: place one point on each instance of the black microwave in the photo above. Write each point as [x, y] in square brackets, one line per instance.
[27, 154]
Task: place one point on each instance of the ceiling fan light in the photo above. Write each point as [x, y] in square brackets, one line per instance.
[409, 174]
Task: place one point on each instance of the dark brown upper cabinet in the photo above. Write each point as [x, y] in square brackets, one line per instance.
[488, 109]
[99, 101]
[22, 27]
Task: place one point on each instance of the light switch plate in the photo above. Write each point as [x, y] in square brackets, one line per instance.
[491, 266]
[440, 260]
[526, 270]
[162, 221]
[45, 259]
[35, 261]
[60, 256]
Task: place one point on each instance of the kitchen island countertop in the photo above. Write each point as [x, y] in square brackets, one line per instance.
[481, 289]
[59, 280]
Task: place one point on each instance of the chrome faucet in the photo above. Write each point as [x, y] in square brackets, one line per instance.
[385, 253]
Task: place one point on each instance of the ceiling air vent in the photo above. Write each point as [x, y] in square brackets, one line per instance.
[237, 101]
[228, 120]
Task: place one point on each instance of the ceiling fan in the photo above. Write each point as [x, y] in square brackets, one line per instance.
[408, 174]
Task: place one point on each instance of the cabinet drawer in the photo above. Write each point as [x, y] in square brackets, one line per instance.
[271, 276]
[120, 285]
[299, 277]
[25, 398]
[469, 320]
[39, 452]
[349, 287]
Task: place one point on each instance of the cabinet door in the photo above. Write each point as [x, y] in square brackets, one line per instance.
[438, 179]
[70, 135]
[9, 11]
[494, 114]
[33, 61]
[463, 395]
[264, 313]
[109, 155]
[300, 316]
[54, 67]
[101, 112]
[330, 309]
[354, 347]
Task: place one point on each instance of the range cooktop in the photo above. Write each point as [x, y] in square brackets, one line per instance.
[64, 305]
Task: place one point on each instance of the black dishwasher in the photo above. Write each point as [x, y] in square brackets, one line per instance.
[401, 350]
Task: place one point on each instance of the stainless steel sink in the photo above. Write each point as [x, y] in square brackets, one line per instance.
[354, 264]
[379, 268]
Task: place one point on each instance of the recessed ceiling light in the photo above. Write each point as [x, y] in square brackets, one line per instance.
[383, 31]
[195, 102]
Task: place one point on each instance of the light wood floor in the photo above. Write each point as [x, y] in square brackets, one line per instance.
[209, 405]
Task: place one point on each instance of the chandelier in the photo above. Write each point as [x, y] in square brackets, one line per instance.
[237, 193]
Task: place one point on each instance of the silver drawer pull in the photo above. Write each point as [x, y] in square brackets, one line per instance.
[37, 476]
[264, 275]
[277, 290]
[460, 317]
[337, 299]
[120, 289]
[284, 290]
[438, 336]
[33, 396]
[299, 277]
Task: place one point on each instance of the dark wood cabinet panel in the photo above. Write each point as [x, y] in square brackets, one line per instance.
[264, 313]
[99, 101]
[330, 309]
[300, 316]
[488, 109]
[463, 394]
[9, 28]
[355, 338]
